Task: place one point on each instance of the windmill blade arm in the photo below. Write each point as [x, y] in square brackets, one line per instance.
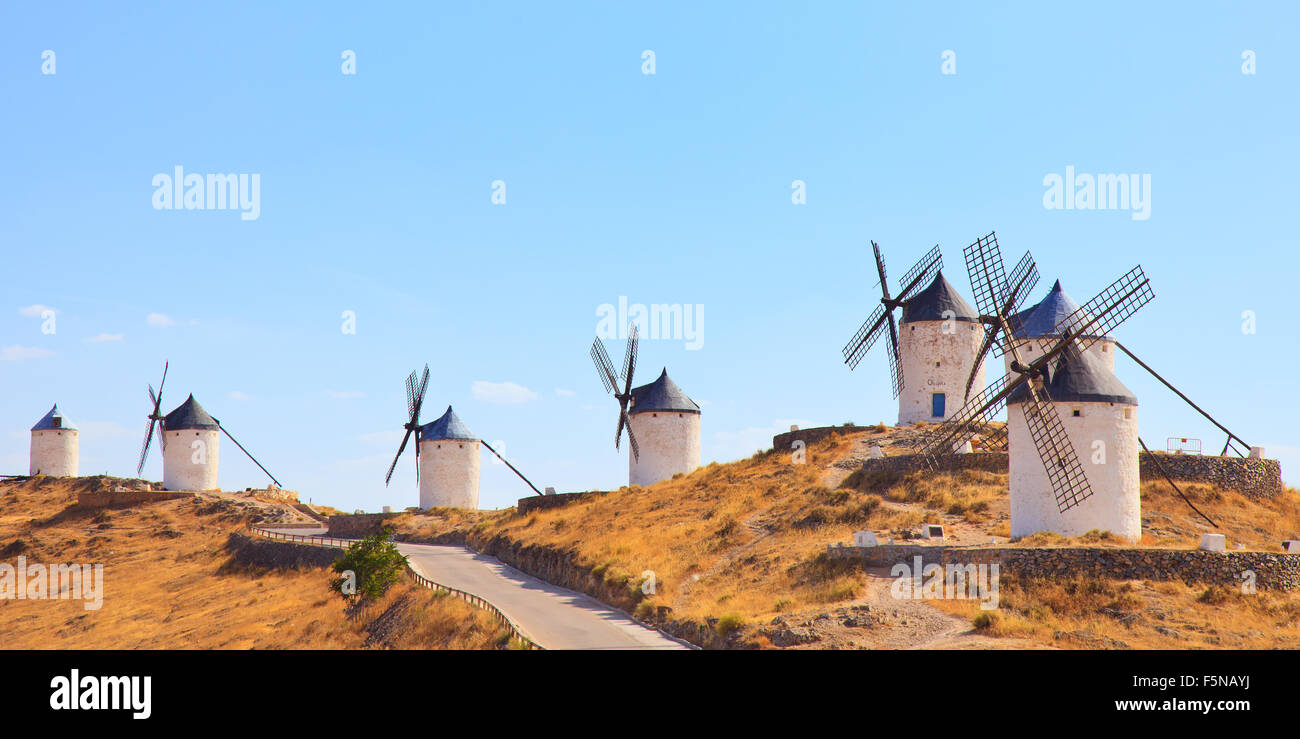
[990, 341]
[511, 466]
[247, 453]
[629, 359]
[631, 438]
[410, 394]
[604, 367]
[988, 278]
[864, 338]
[1108, 309]
[969, 420]
[1069, 483]
[400, 449]
[144, 449]
[895, 368]
[922, 272]
[420, 390]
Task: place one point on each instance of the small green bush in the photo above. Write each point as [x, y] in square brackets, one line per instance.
[376, 565]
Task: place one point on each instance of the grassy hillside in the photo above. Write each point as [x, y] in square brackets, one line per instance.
[170, 584]
[741, 546]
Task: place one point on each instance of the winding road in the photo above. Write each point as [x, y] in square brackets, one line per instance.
[552, 616]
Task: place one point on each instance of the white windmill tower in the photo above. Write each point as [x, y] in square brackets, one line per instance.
[938, 343]
[933, 353]
[447, 457]
[663, 424]
[1064, 399]
[189, 439]
[54, 446]
[191, 448]
[449, 463]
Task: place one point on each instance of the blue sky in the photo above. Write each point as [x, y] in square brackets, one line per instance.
[672, 188]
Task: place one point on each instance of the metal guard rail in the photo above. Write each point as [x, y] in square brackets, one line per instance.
[421, 580]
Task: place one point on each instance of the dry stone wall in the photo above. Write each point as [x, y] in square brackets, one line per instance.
[1267, 570]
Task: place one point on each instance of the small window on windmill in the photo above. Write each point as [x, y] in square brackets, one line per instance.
[1076, 412]
[58, 422]
[936, 364]
[1128, 412]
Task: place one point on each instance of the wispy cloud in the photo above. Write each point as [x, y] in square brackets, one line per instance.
[345, 394]
[503, 393]
[564, 393]
[387, 438]
[16, 353]
[160, 320]
[36, 310]
[236, 395]
[101, 338]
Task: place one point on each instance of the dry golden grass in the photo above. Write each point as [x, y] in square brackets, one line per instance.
[169, 584]
[1092, 614]
[744, 541]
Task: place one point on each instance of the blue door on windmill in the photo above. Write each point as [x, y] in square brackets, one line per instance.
[937, 405]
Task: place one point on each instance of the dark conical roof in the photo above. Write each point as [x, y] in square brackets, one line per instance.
[1042, 318]
[661, 395]
[448, 426]
[1083, 378]
[54, 420]
[189, 415]
[939, 296]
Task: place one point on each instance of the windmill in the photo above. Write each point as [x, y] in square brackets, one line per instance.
[155, 419]
[1072, 336]
[415, 389]
[608, 376]
[181, 471]
[874, 326]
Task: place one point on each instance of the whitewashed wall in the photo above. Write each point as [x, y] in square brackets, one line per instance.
[936, 362]
[180, 470]
[1115, 505]
[54, 452]
[449, 473]
[669, 442]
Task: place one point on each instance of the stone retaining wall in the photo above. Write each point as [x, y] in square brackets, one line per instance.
[1254, 478]
[1271, 570]
[782, 442]
[358, 525]
[262, 552]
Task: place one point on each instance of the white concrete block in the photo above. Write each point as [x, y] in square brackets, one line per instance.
[1213, 543]
[864, 539]
[1291, 546]
[388, 509]
[1257, 452]
[794, 427]
[550, 491]
[932, 531]
[877, 452]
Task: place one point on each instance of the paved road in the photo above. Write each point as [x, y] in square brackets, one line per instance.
[554, 617]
